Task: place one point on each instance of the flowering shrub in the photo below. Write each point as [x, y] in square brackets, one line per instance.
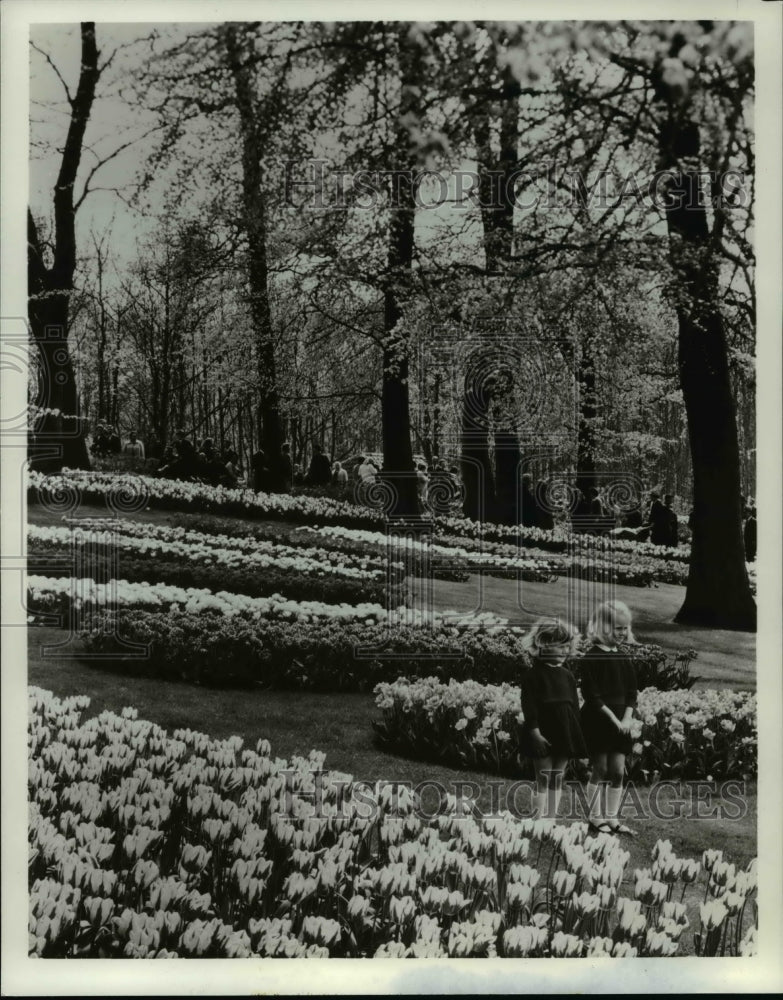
[145, 845]
[321, 655]
[682, 734]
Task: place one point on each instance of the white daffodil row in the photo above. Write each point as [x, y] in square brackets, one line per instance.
[312, 509]
[137, 488]
[636, 566]
[192, 546]
[449, 554]
[47, 592]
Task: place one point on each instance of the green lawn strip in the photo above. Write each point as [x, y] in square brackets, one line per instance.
[341, 726]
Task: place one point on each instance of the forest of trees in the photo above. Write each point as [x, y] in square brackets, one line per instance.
[320, 199]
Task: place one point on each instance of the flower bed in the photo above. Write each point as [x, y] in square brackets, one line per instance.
[182, 564]
[126, 493]
[143, 845]
[64, 595]
[679, 734]
[237, 552]
[572, 556]
[555, 540]
[323, 655]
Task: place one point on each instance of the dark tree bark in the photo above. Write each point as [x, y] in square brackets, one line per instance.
[255, 221]
[588, 411]
[395, 396]
[478, 477]
[492, 488]
[50, 287]
[718, 592]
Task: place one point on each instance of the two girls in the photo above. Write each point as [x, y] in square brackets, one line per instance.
[555, 730]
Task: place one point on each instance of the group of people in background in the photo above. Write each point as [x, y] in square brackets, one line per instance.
[182, 459]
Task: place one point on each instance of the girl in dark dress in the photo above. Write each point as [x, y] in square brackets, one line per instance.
[550, 734]
[609, 692]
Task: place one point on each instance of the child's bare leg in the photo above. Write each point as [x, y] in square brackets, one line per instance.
[595, 789]
[614, 791]
[549, 784]
[542, 767]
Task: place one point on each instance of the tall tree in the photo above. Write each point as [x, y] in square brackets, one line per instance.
[718, 592]
[254, 125]
[50, 284]
[395, 400]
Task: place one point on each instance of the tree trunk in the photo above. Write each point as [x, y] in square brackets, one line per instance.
[718, 592]
[588, 411]
[50, 288]
[395, 397]
[492, 489]
[255, 230]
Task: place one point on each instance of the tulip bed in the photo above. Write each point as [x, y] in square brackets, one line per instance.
[203, 563]
[321, 655]
[62, 595]
[125, 492]
[464, 545]
[678, 734]
[145, 845]
[505, 561]
[226, 640]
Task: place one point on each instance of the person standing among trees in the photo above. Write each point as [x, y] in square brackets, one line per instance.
[422, 482]
[672, 523]
[285, 468]
[366, 470]
[133, 449]
[595, 506]
[529, 506]
[233, 472]
[320, 471]
[115, 442]
[100, 445]
[658, 521]
[260, 471]
[339, 476]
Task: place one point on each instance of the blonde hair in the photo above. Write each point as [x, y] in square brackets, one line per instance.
[605, 617]
[549, 632]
